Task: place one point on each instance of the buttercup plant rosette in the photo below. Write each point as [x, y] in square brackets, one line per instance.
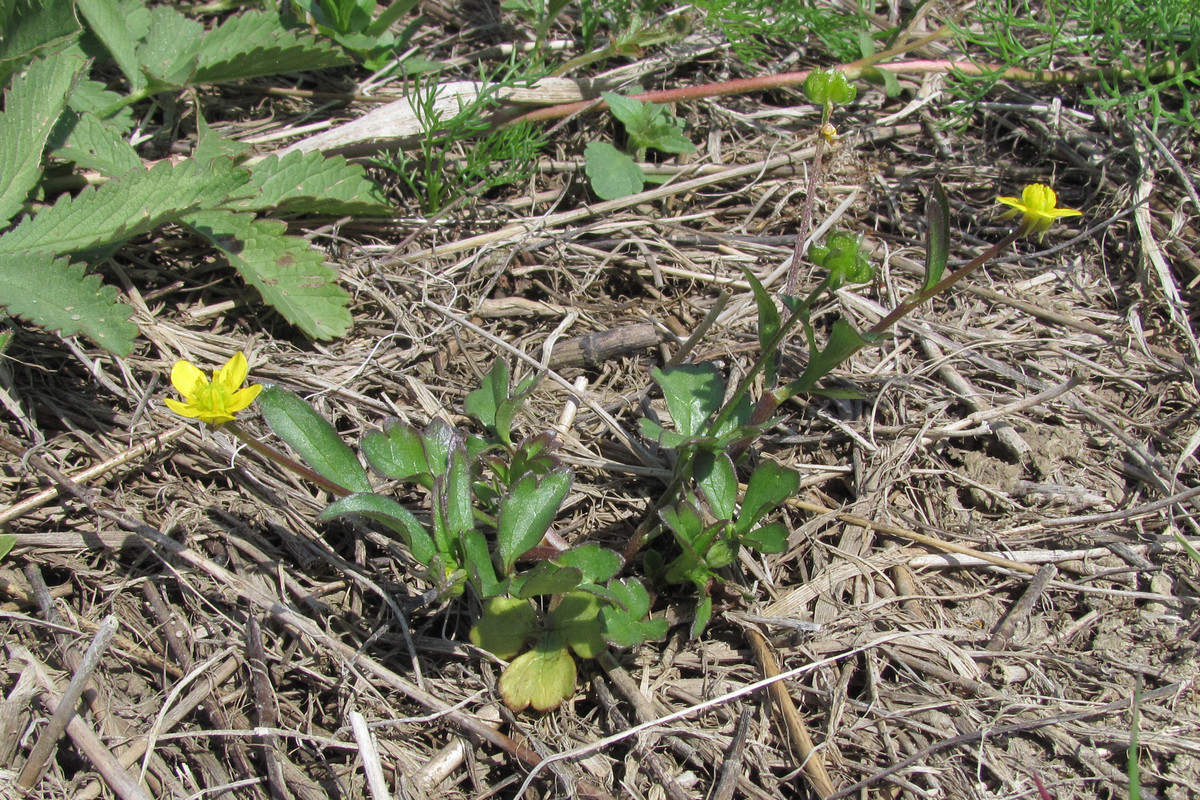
[214, 401]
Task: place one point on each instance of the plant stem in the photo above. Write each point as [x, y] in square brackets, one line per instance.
[271, 454]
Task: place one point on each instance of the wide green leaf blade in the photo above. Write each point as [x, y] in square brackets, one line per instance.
[577, 619]
[613, 174]
[399, 453]
[715, 475]
[311, 183]
[506, 625]
[287, 272]
[31, 108]
[33, 27]
[769, 485]
[391, 515]
[595, 563]
[542, 677]
[255, 43]
[546, 578]
[318, 443]
[526, 513]
[693, 393]
[93, 144]
[107, 21]
[60, 296]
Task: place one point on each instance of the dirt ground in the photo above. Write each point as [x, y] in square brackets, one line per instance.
[1043, 412]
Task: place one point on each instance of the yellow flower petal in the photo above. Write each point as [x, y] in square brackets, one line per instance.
[186, 378]
[1038, 209]
[215, 401]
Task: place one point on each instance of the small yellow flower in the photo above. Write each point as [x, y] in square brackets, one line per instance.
[216, 401]
[1036, 209]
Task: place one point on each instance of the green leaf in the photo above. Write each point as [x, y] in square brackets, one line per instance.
[93, 144]
[399, 453]
[546, 578]
[577, 619]
[768, 325]
[937, 236]
[613, 174]
[891, 85]
[483, 403]
[633, 113]
[866, 44]
[311, 183]
[693, 393]
[541, 678]
[287, 272]
[439, 438]
[769, 485]
[596, 563]
[31, 108]
[844, 341]
[506, 625]
[389, 15]
[715, 475]
[721, 549]
[34, 27]
[703, 616]
[255, 43]
[107, 20]
[456, 492]
[625, 625]
[390, 514]
[60, 296]
[211, 145]
[768, 539]
[136, 203]
[684, 521]
[170, 52]
[526, 513]
[318, 443]
[478, 558]
[7, 542]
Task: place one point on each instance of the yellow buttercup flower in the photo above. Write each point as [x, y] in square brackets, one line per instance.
[213, 401]
[1037, 209]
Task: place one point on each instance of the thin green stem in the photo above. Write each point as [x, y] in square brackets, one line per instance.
[271, 454]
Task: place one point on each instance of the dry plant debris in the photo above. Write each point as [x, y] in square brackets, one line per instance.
[1041, 419]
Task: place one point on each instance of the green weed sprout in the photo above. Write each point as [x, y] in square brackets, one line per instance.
[488, 527]
[615, 173]
[353, 25]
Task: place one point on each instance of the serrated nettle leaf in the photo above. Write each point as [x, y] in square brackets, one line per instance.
[398, 452]
[95, 97]
[309, 434]
[693, 393]
[32, 106]
[541, 678]
[937, 235]
[310, 183]
[387, 512]
[768, 539]
[577, 619]
[170, 53]
[108, 21]
[507, 624]
[92, 144]
[526, 513]
[39, 27]
[596, 564]
[769, 323]
[255, 43]
[135, 203]
[717, 479]
[769, 485]
[703, 615]
[483, 403]
[48, 290]
[612, 174]
[545, 578]
[210, 145]
[286, 271]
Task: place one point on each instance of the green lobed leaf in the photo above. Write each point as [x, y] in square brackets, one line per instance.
[541, 678]
[717, 479]
[311, 183]
[95, 97]
[768, 539]
[625, 624]
[318, 443]
[93, 144]
[137, 202]
[50, 291]
[577, 619]
[526, 513]
[612, 174]
[398, 452]
[107, 20]
[211, 145]
[633, 113]
[693, 393]
[289, 274]
[171, 51]
[390, 514]
[255, 43]
[483, 403]
[31, 108]
[937, 236]
[545, 578]
[596, 564]
[769, 485]
[506, 625]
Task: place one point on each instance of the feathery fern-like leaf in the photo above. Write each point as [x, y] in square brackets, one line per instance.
[312, 183]
[31, 108]
[256, 43]
[48, 290]
[135, 203]
[289, 274]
